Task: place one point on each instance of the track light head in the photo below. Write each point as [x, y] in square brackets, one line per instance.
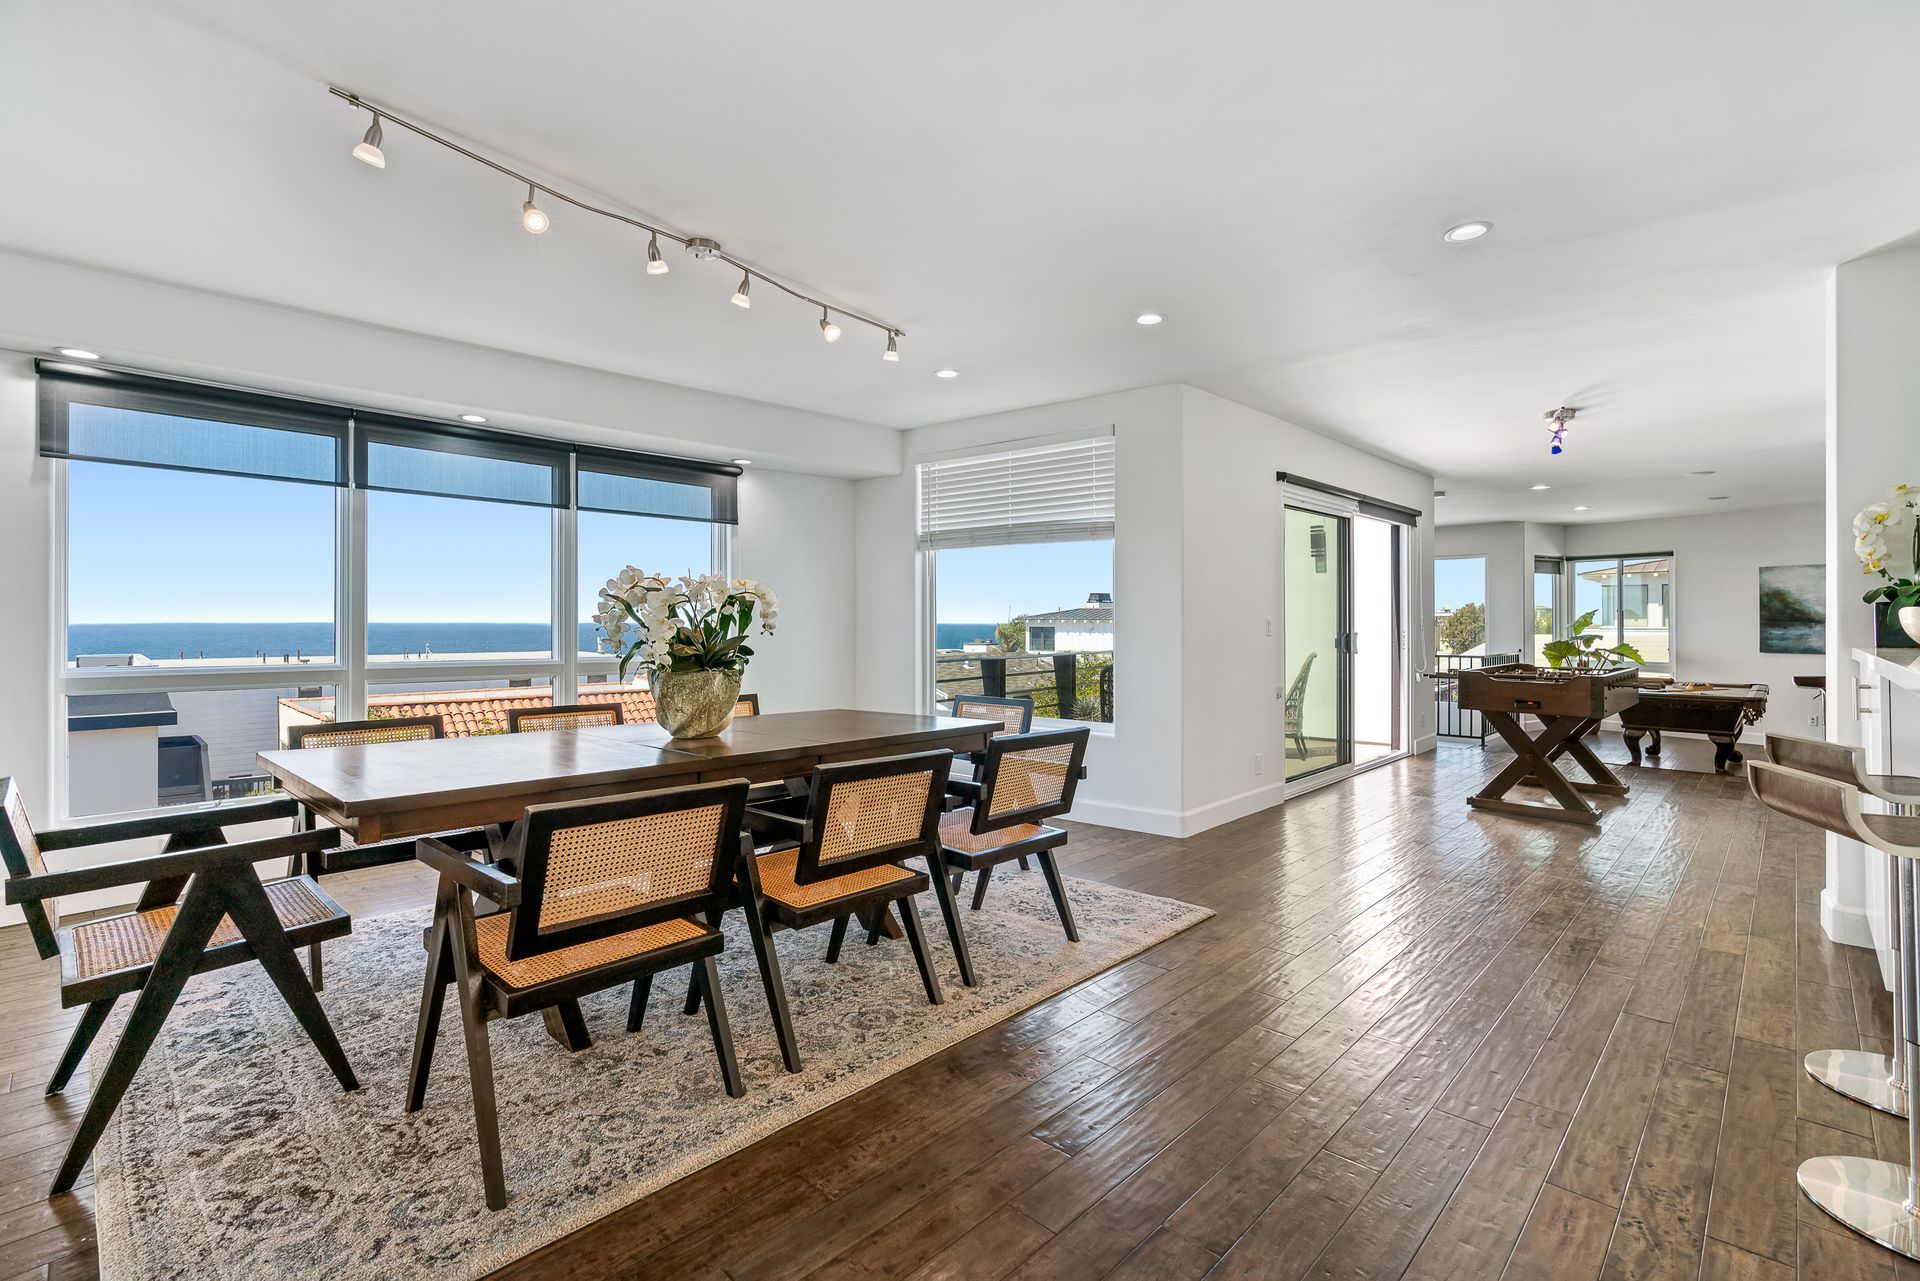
[828, 330]
[740, 298]
[368, 152]
[893, 347]
[532, 216]
[656, 265]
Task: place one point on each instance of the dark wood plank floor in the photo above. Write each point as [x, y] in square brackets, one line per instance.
[1414, 1042]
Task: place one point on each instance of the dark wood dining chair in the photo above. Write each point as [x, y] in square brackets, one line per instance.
[533, 720]
[227, 916]
[348, 854]
[1026, 779]
[747, 705]
[593, 895]
[1015, 716]
[835, 853]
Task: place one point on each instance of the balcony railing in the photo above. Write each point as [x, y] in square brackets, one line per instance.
[1067, 684]
[1450, 719]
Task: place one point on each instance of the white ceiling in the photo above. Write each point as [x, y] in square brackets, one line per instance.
[1011, 183]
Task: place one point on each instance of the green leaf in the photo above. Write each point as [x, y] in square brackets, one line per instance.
[1557, 652]
[1627, 651]
[1875, 593]
[1583, 622]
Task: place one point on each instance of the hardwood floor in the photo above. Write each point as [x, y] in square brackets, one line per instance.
[1414, 1042]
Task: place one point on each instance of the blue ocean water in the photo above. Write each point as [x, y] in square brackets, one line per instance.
[954, 635]
[161, 641]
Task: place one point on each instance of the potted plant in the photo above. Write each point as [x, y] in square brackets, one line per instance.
[690, 635]
[1870, 530]
[1582, 650]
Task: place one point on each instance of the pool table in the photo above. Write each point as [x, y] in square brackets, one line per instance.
[1719, 712]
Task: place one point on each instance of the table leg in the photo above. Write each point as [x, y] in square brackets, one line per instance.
[1534, 757]
[1633, 737]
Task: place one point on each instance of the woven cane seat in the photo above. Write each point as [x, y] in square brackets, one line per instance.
[531, 971]
[777, 881]
[956, 833]
[116, 943]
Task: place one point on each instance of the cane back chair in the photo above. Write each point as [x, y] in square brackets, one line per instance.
[594, 894]
[227, 916]
[1026, 779]
[1295, 708]
[1015, 716]
[747, 705]
[533, 720]
[837, 852]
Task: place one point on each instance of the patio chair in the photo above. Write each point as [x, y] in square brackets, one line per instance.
[839, 856]
[600, 893]
[227, 916]
[1026, 778]
[1296, 705]
[533, 720]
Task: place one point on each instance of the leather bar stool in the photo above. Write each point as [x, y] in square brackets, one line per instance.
[1877, 1080]
[1878, 1199]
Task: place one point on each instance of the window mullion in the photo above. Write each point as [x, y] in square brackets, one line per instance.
[350, 698]
[566, 604]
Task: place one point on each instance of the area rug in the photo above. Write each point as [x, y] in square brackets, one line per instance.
[236, 1155]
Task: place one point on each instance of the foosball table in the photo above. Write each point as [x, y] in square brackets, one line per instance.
[1569, 705]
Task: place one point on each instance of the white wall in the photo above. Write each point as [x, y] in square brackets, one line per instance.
[796, 535]
[1716, 595]
[1509, 578]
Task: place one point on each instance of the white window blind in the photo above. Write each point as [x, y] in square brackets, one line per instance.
[1054, 493]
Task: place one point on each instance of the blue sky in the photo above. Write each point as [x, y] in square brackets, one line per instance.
[992, 584]
[148, 545]
[1459, 581]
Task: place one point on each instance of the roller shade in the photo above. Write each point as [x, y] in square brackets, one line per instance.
[611, 480]
[109, 416]
[1053, 493]
[413, 457]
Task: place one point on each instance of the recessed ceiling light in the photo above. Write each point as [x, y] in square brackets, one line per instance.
[1539, 486]
[473, 418]
[1583, 509]
[78, 353]
[1466, 231]
[946, 373]
[1148, 318]
[1708, 472]
[743, 462]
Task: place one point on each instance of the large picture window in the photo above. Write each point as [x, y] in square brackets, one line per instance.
[1018, 550]
[1632, 601]
[236, 562]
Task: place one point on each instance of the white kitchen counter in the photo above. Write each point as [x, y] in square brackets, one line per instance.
[1887, 694]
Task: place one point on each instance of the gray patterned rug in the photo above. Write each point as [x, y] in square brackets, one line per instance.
[236, 1155]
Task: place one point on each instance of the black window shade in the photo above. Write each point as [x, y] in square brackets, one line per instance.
[612, 480]
[409, 456]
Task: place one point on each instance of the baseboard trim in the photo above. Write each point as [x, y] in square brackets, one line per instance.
[1428, 743]
[1178, 823]
[1846, 925]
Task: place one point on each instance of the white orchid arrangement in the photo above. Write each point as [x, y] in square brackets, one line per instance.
[685, 624]
[1870, 530]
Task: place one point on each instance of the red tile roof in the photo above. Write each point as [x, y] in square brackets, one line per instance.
[478, 711]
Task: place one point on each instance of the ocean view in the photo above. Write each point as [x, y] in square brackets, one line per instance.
[954, 635]
[160, 641]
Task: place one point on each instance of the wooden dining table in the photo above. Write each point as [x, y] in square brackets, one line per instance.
[382, 791]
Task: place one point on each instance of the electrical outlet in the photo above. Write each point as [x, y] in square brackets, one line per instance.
[1259, 762]
[1813, 721]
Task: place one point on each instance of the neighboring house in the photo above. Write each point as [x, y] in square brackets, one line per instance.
[1086, 628]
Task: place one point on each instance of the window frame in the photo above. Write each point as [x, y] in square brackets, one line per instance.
[1619, 626]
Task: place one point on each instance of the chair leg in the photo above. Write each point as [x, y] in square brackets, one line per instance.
[247, 904]
[313, 967]
[954, 878]
[186, 942]
[83, 1033]
[980, 887]
[1058, 888]
[433, 997]
[637, 1007]
[838, 937]
[473, 1026]
[768, 959]
[567, 1025]
[943, 890]
[709, 978]
[692, 1005]
[910, 922]
[878, 926]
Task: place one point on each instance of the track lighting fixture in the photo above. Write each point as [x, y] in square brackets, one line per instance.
[536, 221]
[369, 149]
[532, 217]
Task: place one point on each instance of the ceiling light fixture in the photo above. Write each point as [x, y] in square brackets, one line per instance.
[473, 418]
[368, 152]
[946, 373]
[1466, 231]
[1539, 486]
[828, 330]
[1583, 509]
[537, 221]
[532, 217]
[1559, 418]
[743, 462]
[77, 353]
[893, 347]
[1148, 318]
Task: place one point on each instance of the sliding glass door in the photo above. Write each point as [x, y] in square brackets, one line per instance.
[1316, 709]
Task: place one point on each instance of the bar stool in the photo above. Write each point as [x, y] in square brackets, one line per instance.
[1878, 1199]
[1877, 1080]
